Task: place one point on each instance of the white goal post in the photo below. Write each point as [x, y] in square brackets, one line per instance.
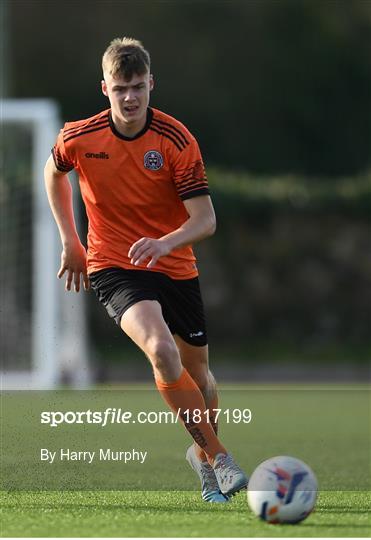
[58, 338]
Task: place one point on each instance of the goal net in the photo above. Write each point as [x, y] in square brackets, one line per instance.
[43, 333]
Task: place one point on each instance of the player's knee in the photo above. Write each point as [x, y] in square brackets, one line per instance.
[162, 353]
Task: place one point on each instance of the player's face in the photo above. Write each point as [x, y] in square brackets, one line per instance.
[129, 99]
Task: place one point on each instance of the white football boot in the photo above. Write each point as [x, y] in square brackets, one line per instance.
[210, 490]
[230, 477]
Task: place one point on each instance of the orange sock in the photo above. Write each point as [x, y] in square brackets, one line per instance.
[213, 404]
[185, 396]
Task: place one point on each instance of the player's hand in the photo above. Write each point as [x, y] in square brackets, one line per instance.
[73, 261]
[148, 248]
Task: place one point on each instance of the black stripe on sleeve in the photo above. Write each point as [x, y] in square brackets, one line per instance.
[188, 178]
[192, 182]
[85, 132]
[60, 160]
[169, 129]
[184, 177]
[195, 193]
[160, 132]
[63, 167]
[86, 126]
[174, 128]
[189, 169]
[193, 185]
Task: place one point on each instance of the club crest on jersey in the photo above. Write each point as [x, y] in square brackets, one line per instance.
[153, 160]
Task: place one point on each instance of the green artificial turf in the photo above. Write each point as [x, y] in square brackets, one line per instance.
[327, 426]
[171, 514]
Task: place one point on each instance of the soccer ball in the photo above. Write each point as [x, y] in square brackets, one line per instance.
[282, 489]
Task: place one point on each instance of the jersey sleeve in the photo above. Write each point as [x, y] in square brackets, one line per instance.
[63, 161]
[189, 172]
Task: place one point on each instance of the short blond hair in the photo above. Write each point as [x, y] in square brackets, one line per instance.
[126, 56]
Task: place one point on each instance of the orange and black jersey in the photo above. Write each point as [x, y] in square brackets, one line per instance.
[133, 187]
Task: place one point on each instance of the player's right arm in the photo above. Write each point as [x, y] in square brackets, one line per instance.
[73, 257]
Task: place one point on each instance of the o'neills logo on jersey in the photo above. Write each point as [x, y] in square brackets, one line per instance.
[153, 160]
[101, 155]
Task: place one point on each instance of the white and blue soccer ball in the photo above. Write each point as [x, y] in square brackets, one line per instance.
[282, 489]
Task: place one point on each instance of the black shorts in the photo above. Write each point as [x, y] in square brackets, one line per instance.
[180, 299]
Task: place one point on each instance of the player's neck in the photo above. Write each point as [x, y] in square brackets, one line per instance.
[129, 129]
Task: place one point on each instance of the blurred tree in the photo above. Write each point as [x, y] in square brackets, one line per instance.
[266, 85]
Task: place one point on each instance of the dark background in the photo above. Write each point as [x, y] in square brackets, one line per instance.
[268, 86]
[278, 94]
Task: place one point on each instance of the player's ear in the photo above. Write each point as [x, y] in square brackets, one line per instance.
[104, 87]
[151, 82]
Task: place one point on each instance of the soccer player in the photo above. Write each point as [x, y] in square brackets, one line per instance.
[146, 195]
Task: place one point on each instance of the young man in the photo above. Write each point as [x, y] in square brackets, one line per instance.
[143, 183]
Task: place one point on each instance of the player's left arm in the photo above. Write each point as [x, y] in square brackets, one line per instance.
[200, 224]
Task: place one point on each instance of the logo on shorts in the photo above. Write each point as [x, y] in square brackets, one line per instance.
[196, 334]
[153, 160]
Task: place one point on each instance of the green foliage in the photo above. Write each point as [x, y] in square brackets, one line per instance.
[248, 194]
[270, 86]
